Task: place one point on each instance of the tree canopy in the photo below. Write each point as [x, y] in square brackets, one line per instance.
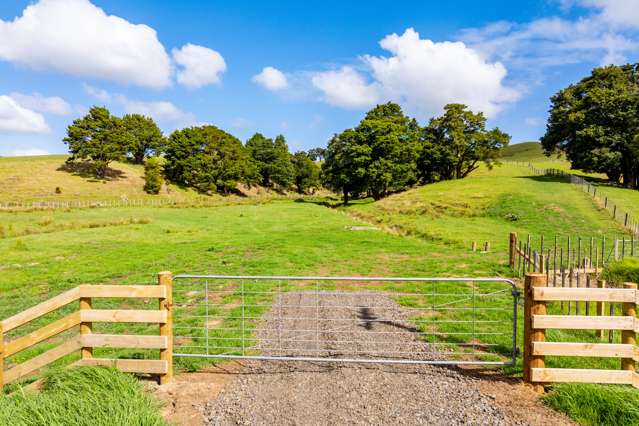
[454, 144]
[595, 123]
[207, 159]
[307, 172]
[145, 137]
[98, 137]
[272, 159]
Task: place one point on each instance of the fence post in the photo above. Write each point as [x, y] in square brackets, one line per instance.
[512, 249]
[166, 329]
[85, 327]
[1, 358]
[601, 308]
[532, 307]
[628, 336]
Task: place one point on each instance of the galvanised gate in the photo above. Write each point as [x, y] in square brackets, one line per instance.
[346, 319]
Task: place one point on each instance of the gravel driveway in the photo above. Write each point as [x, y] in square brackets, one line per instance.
[305, 393]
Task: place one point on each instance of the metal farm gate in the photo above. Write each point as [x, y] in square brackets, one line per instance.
[346, 319]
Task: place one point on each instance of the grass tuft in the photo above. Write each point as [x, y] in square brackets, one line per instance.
[84, 396]
[596, 405]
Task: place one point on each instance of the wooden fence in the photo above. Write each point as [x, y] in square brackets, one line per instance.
[536, 321]
[84, 340]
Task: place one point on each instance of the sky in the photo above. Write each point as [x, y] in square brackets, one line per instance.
[306, 70]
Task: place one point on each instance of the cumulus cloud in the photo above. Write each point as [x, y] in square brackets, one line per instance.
[48, 104]
[345, 88]
[99, 94]
[163, 111]
[78, 38]
[15, 118]
[616, 12]
[200, 65]
[422, 75]
[271, 79]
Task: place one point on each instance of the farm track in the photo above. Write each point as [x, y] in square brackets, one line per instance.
[305, 393]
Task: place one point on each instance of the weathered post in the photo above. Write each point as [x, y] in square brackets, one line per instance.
[166, 329]
[512, 249]
[628, 337]
[473, 246]
[85, 327]
[1, 358]
[601, 308]
[487, 246]
[531, 335]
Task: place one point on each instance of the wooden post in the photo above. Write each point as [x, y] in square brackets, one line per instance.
[628, 336]
[86, 328]
[601, 308]
[542, 260]
[487, 246]
[512, 249]
[473, 246]
[1, 358]
[166, 329]
[532, 307]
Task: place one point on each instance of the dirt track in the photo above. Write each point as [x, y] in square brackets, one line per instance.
[305, 393]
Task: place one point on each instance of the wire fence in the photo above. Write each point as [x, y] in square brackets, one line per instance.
[624, 218]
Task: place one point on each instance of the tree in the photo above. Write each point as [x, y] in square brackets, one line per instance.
[317, 154]
[344, 168]
[272, 160]
[152, 175]
[145, 136]
[98, 137]
[379, 156]
[595, 123]
[207, 159]
[454, 144]
[307, 172]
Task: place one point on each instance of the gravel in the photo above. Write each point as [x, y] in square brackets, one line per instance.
[306, 393]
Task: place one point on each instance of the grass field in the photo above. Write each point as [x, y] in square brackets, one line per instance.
[429, 234]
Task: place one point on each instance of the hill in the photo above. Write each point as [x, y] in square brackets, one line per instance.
[524, 151]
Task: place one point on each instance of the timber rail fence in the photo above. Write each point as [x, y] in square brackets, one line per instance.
[84, 340]
[622, 217]
[537, 295]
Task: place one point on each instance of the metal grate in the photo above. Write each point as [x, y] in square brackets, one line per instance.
[346, 319]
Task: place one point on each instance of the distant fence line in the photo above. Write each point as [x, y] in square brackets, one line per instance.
[622, 217]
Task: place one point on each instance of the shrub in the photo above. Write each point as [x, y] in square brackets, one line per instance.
[152, 175]
[626, 270]
[84, 396]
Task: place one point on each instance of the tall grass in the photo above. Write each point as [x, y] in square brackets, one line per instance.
[596, 405]
[84, 396]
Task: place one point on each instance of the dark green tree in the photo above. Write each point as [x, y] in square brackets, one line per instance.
[207, 159]
[595, 123]
[454, 144]
[345, 166]
[272, 160]
[379, 156]
[153, 175]
[146, 137]
[99, 138]
[307, 172]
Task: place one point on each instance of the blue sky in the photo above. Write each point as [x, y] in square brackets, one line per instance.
[303, 69]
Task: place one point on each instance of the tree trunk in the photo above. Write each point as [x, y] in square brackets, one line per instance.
[345, 196]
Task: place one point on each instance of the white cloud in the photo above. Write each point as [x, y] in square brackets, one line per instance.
[37, 102]
[200, 65]
[617, 12]
[271, 79]
[27, 152]
[345, 88]
[422, 76]
[163, 111]
[15, 118]
[97, 93]
[78, 38]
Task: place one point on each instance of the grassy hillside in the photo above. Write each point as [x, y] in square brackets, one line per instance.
[487, 206]
[36, 178]
[524, 151]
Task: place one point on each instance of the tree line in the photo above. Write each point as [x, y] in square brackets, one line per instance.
[385, 153]
[595, 123]
[204, 158]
